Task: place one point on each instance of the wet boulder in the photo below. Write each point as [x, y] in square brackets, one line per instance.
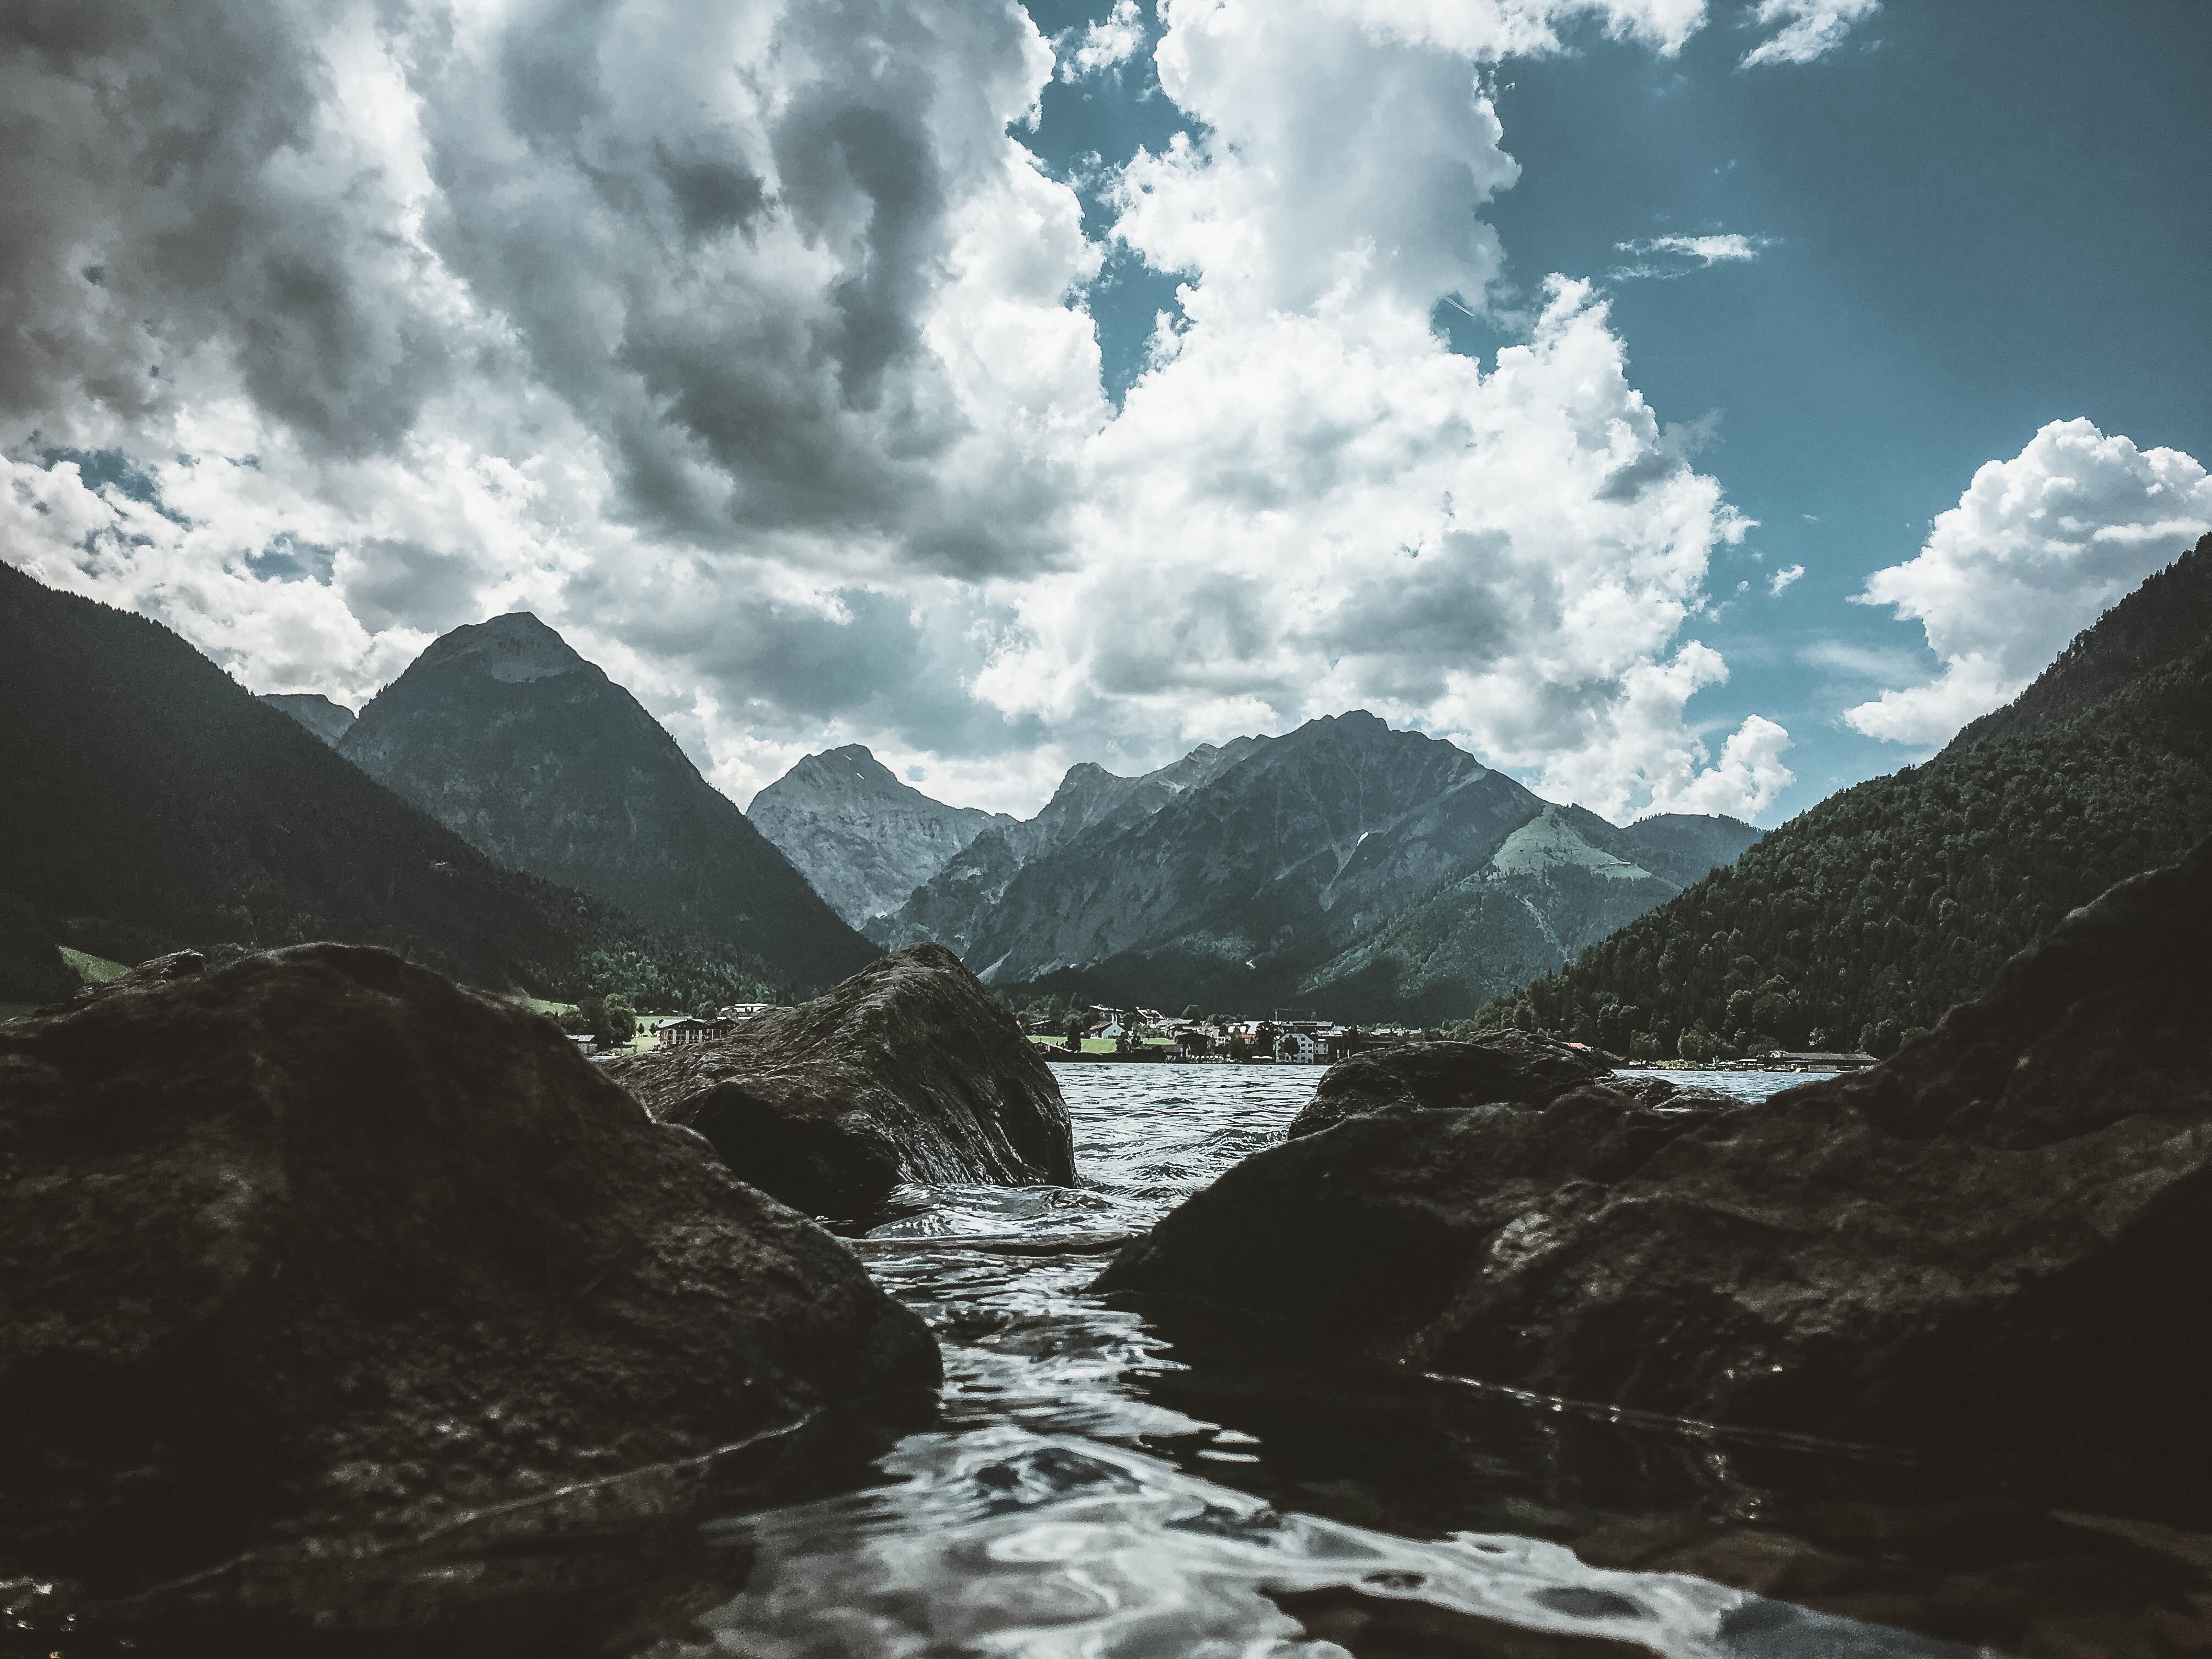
[909, 1071]
[1498, 1066]
[1995, 1240]
[320, 1252]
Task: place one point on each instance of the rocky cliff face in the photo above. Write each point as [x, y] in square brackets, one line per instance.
[328, 720]
[865, 840]
[508, 738]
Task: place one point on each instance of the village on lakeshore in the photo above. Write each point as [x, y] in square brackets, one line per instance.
[1101, 1032]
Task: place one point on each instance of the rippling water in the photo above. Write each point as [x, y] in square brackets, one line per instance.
[1089, 1493]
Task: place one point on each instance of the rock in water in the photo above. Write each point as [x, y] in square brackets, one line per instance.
[1499, 1066]
[1995, 1240]
[316, 1253]
[908, 1070]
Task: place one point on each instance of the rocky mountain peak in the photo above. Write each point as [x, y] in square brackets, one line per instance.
[502, 732]
[1084, 776]
[862, 836]
[514, 648]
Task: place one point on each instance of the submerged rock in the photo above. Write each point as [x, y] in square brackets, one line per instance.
[320, 1252]
[1997, 1239]
[1499, 1066]
[909, 1071]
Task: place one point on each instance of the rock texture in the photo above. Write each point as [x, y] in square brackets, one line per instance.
[1514, 1066]
[865, 840]
[1997, 1239]
[320, 1252]
[534, 757]
[908, 1071]
[328, 720]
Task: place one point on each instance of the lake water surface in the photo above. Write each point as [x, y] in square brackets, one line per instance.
[1091, 1491]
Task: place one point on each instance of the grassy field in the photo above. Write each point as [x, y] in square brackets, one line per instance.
[93, 971]
[1099, 1045]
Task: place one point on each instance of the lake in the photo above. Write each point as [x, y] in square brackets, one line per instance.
[1091, 1490]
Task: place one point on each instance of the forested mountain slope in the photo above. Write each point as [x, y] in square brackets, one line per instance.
[1872, 913]
[1562, 881]
[152, 803]
[2164, 617]
[534, 757]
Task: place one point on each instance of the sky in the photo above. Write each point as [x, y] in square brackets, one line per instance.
[1690, 405]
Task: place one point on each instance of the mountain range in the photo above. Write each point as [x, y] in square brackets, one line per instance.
[506, 812]
[513, 741]
[154, 804]
[1343, 866]
[863, 839]
[1870, 914]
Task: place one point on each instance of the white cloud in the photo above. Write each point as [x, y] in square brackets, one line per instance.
[1111, 41]
[2038, 547]
[1783, 577]
[1810, 29]
[748, 347]
[1677, 256]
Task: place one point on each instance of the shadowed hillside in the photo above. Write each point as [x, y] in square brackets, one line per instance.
[153, 803]
[1872, 913]
[535, 757]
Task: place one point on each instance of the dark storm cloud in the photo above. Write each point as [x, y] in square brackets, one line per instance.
[662, 267]
[723, 268]
[394, 583]
[784, 671]
[152, 199]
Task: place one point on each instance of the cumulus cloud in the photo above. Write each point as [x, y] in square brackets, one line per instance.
[749, 346]
[1678, 256]
[2036, 549]
[1107, 44]
[1783, 577]
[1810, 29]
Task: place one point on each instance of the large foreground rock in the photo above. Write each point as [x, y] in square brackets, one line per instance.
[910, 1070]
[2001, 1238]
[1499, 1066]
[320, 1253]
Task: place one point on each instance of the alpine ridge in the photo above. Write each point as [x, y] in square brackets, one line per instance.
[1363, 872]
[863, 839]
[534, 757]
